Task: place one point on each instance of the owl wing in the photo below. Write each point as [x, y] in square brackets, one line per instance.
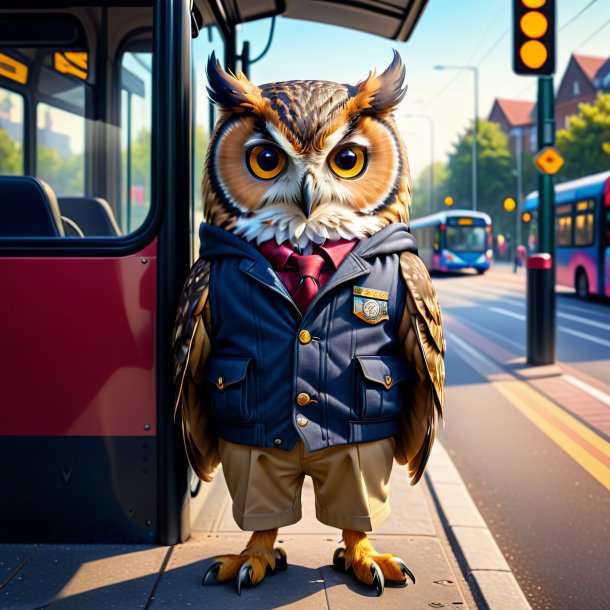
[421, 335]
[191, 346]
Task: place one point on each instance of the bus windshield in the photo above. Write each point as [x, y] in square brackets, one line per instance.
[465, 239]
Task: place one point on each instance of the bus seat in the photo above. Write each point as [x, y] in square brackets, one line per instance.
[71, 229]
[92, 214]
[28, 208]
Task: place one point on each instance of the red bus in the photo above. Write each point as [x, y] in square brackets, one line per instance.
[97, 149]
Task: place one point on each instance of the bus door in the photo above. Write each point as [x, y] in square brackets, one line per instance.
[95, 186]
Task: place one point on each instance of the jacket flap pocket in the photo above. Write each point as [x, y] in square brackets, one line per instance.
[224, 372]
[385, 370]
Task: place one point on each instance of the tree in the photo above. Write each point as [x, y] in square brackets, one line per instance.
[585, 144]
[10, 155]
[495, 173]
[421, 190]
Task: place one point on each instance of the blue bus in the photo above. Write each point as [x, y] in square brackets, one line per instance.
[454, 240]
[582, 224]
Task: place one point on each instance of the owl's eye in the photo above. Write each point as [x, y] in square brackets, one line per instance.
[265, 162]
[348, 162]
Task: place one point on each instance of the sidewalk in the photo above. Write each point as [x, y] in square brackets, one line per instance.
[434, 527]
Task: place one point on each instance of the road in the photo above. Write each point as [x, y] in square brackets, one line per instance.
[532, 446]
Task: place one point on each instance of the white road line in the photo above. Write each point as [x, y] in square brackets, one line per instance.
[580, 320]
[590, 338]
[585, 387]
[506, 312]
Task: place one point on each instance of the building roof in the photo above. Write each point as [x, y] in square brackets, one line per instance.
[517, 112]
[590, 65]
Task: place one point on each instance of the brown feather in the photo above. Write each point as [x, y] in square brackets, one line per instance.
[421, 335]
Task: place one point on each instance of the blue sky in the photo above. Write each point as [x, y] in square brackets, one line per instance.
[451, 32]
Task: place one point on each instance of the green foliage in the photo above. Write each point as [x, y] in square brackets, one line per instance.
[64, 175]
[495, 174]
[421, 190]
[585, 144]
[11, 163]
[202, 140]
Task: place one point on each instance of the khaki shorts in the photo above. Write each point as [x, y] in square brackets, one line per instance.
[351, 484]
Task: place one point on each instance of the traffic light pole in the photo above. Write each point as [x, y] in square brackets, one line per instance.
[541, 300]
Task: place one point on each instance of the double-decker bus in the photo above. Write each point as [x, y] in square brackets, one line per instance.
[101, 146]
[582, 223]
[454, 240]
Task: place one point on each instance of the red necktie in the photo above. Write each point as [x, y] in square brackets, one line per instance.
[309, 268]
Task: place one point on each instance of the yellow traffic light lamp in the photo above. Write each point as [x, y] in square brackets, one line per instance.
[534, 37]
[449, 201]
[526, 217]
[509, 204]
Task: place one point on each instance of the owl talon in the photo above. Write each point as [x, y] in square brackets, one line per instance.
[281, 559]
[405, 571]
[209, 577]
[378, 579]
[244, 578]
[339, 560]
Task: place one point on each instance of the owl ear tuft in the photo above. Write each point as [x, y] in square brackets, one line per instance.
[231, 92]
[380, 94]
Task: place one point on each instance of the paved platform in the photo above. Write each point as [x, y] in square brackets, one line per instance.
[434, 528]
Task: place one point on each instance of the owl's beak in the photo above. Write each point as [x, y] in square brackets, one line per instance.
[307, 194]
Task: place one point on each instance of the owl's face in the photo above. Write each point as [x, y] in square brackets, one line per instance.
[306, 161]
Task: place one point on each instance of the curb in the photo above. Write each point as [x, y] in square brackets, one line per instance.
[493, 584]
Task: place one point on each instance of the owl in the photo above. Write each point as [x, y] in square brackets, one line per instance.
[308, 339]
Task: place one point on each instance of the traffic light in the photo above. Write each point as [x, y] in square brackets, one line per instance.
[534, 37]
[449, 201]
[526, 217]
[509, 204]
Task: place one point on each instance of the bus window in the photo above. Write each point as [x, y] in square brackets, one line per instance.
[11, 132]
[564, 225]
[60, 148]
[465, 239]
[583, 223]
[79, 122]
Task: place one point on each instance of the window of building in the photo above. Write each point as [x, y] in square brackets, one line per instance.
[11, 133]
[576, 88]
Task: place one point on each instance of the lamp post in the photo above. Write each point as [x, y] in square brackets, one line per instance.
[475, 74]
[431, 183]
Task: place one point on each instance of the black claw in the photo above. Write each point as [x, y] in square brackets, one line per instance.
[209, 577]
[406, 571]
[243, 578]
[339, 559]
[378, 579]
[281, 559]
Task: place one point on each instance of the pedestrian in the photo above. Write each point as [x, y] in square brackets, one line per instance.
[520, 254]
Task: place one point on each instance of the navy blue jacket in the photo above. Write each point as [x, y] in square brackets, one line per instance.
[335, 375]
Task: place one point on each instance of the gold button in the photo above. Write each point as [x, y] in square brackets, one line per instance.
[278, 441]
[220, 383]
[303, 399]
[305, 337]
[302, 420]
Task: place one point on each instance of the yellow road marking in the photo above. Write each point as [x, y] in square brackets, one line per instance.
[521, 396]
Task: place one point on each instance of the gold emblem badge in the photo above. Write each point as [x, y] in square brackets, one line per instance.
[370, 305]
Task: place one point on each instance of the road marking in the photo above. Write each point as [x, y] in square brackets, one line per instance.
[537, 408]
[586, 310]
[506, 312]
[483, 365]
[591, 338]
[581, 320]
[589, 389]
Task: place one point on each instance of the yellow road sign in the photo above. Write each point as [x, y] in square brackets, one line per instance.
[549, 160]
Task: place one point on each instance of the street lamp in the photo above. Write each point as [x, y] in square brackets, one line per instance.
[431, 123]
[475, 73]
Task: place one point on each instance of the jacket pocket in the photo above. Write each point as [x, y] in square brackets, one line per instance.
[229, 391]
[379, 385]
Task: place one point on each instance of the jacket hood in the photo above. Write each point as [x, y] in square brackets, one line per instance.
[392, 239]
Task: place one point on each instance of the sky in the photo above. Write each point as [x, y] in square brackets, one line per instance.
[450, 32]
